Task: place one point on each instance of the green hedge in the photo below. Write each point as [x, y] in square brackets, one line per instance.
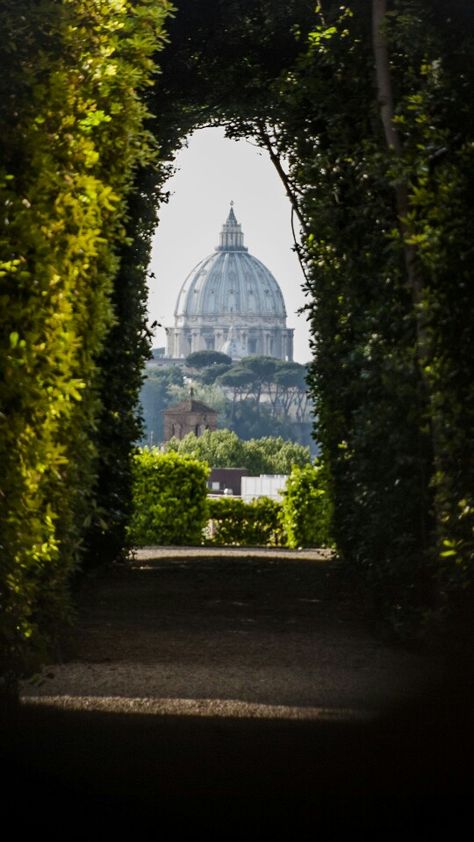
[73, 135]
[307, 508]
[241, 524]
[171, 507]
[169, 499]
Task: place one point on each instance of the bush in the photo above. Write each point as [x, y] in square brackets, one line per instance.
[169, 499]
[307, 507]
[241, 524]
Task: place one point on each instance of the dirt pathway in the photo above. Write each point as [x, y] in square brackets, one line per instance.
[238, 690]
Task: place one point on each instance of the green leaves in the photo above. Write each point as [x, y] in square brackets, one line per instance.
[74, 137]
[224, 449]
[307, 508]
[169, 499]
[240, 524]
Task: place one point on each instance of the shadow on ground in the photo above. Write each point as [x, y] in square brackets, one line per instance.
[209, 629]
[410, 768]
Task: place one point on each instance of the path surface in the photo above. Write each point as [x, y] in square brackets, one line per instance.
[241, 685]
[257, 635]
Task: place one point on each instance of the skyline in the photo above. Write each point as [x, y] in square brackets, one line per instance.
[211, 172]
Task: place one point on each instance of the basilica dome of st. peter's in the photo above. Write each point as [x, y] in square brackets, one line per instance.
[230, 302]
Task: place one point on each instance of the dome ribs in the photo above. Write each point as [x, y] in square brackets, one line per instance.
[230, 294]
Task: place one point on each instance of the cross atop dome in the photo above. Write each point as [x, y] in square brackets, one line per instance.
[231, 220]
[231, 237]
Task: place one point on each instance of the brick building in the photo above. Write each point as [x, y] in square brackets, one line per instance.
[189, 416]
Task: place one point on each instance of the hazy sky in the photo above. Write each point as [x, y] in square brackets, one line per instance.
[211, 172]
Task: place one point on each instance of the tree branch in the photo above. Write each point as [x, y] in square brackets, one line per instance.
[385, 100]
[289, 188]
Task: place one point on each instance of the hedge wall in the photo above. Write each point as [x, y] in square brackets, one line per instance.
[240, 524]
[72, 138]
[307, 509]
[169, 499]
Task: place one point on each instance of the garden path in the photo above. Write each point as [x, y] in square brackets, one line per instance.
[240, 684]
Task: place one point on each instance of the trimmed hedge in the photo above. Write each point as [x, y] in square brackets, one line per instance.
[171, 507]
[169, 499]
[241, 524]
[73, 136]
[307, 507]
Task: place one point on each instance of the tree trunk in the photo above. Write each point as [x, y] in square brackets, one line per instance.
[385, 100]
[382, 69]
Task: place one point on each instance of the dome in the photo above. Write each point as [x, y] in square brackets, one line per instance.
[231, 301]
[231, 281]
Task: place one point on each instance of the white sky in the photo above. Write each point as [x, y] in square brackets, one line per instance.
[211, 171]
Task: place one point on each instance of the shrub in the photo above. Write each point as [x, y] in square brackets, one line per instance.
[241, 524]
[169, 499]
[307, 507]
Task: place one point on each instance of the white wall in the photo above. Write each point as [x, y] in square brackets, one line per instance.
[266, 485]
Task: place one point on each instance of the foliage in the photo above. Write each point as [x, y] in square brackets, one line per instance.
[241, 524]
[73, 138]
[209, 375]
[219, 448]
[367, 385]
[307, 509]
[254, 397]
[224, 449]
[156, 396]
[391, 326]
[390, 297]
[169, 499]
[392, 367]
[205, 359]
[274, 455]
[389, 292]
[269, 383]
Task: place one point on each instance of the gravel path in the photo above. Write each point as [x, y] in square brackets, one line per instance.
[237, 689]
[229, 633]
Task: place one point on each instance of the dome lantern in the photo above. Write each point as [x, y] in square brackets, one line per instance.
[231, 237]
